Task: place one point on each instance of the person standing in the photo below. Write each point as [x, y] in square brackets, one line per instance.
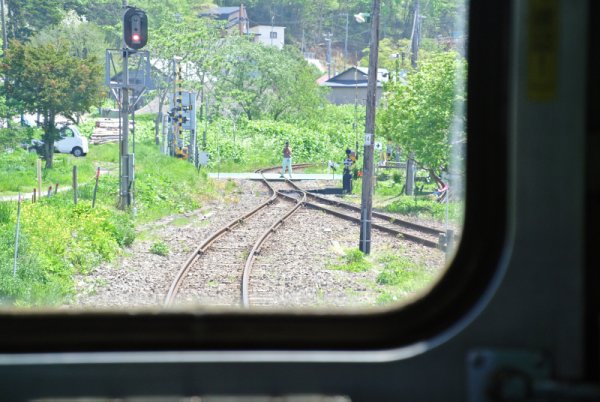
[287, 159]
[347, 176]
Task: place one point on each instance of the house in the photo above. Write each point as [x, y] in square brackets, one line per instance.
[269, 35]
[350, 85]
[234, 18]
[236, 21]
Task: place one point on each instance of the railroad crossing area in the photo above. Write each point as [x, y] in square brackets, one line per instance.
[276, 176]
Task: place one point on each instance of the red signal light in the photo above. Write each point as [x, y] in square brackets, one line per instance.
[136, 38]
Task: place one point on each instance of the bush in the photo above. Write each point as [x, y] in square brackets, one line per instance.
[353, 261]
[159, 248]
[403, 274]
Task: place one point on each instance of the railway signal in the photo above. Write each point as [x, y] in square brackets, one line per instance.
[135, 28]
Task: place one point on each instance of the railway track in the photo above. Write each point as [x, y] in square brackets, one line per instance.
[410, 231]
[231, 243]
[243, 238]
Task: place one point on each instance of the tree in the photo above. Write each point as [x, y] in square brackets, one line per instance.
[265, 82]
[49, 81]
[420, 113]
[74, 32]
[196, 43]
[26, 17]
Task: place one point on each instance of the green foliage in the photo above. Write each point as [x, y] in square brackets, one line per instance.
[82, 38]
[12, 138]
[258, 82]
[353, 261]
[166, 185]
[426, 207]
[258, 143]
[46, 79]
[26, 17]
[398, 270]
[18, 171]
[59, 239]
[159, 248]
[420, 115]
[401, 277]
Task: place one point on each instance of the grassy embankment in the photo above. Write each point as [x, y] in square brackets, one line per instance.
[59, 239]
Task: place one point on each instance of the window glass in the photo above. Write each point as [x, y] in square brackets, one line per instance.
[170, 208]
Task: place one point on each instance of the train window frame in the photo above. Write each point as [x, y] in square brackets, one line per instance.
[441, 311]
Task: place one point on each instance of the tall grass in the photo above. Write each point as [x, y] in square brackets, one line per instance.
[59, 239]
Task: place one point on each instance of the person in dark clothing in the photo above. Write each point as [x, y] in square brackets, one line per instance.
[347, 176]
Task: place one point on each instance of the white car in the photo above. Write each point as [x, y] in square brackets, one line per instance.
[71, 142]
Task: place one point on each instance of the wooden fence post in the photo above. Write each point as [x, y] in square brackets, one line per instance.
[39, 177]
[75, 184]
[96, 187]
[17, 235]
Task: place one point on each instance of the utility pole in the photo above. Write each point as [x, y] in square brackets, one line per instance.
[366, 204]
[272, 27]
[415, 37]
[4, 39]
[346, 40]
[328, 40]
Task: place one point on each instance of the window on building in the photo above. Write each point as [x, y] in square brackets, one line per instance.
[273, 35]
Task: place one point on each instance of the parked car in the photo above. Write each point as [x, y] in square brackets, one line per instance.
[71, 142]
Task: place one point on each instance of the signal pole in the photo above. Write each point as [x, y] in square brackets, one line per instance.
[366, 205]
[126, 168]
[124, 185]
[135, 36]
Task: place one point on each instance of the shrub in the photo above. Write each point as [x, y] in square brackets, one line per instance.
[159, 248]
[404, 274]
[353, 261]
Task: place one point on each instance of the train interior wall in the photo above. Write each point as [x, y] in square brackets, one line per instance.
[542, 306]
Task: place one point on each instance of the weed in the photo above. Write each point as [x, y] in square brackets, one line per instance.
[352, 261]
[159, 248]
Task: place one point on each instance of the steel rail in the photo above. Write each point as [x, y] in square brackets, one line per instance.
[391, 219]
[172, 293]
[395, 232]
[257, 246]
[295, 166]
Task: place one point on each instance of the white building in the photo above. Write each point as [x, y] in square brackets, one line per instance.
[269, 35]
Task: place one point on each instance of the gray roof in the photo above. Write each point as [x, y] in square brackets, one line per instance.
[220, 12]
[355, 77]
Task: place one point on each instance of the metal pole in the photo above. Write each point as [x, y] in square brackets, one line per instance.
[355, 123]
[371, 103]
[205, 125]
[124, 195]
